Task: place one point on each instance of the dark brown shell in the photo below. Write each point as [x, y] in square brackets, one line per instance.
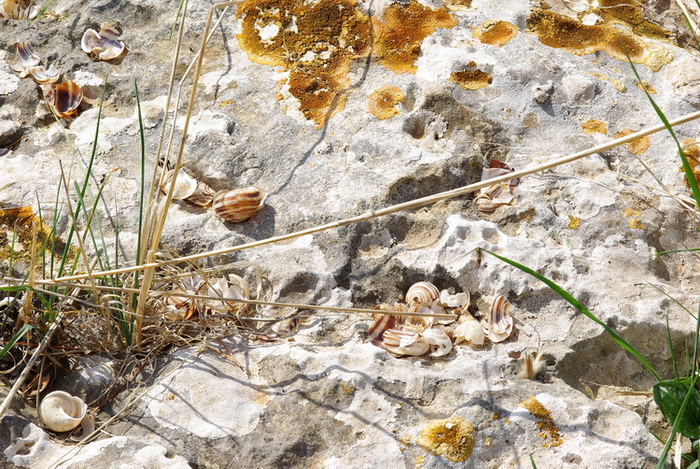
[64, 98]
[238, 205]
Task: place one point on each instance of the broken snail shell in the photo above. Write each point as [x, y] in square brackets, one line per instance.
[238, 205]
[422, 294]
[188, 188]
[103, 45]
[62, 412]
[405, 341]
[440, 342]
[500, 322]
[30, 65]
[469, 330]
[18, 9]
[232, 287]
[458, 300]
[63, 99]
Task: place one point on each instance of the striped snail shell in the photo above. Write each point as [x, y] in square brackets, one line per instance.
[422, 294]
[238, 205]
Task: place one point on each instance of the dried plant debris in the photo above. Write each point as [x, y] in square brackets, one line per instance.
[18, 9]
[30, 65]
[492, 197]
[64, 99]
[104, 45]
[407, 335]
[18, 227]
[532, 364]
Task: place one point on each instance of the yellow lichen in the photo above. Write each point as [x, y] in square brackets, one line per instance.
[398, 38]
[471, 78]
[452, 438]
[592, 126]
[634, 222]
[692, 153]
[495, 32]
[636, 146]
[545, 421]
[619, 39]
[382, 102]
[645, 86]
[315, 43]
[458, 4]
[574, 222]
[18, 226]
[631, 13]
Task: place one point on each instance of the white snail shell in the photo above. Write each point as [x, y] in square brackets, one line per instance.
[185, 185]
[469, 330]
[103, 45]
[405, 341]
[62, 412]
[238, 205]
[422, 294]
[440, 342]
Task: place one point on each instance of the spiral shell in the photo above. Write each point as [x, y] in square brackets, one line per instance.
[64, 99]
[238, 205]
[500, 322]
[188, 188]
[103, 45]
[62, 412]
[422, 294]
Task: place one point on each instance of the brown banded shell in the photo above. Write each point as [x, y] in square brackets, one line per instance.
[238, 205]
[18, 9]
[383, 322]
[104, 45]
[64, 99]
[422, 294]
[500, 322]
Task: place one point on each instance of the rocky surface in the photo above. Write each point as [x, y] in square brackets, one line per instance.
[324, 397]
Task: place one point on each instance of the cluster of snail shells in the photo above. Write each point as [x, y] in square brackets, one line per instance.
[415, 336]
[226, 287]
[235, 206]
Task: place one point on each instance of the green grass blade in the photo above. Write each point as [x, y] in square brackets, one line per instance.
[177, 16]
[670, 347]
[677, 250]
[532, 462]
[576, 304]
[142, 190]
[15, 338]
[686, 165]
[44, 8]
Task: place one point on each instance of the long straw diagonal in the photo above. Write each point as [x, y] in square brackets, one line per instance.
[417, 203]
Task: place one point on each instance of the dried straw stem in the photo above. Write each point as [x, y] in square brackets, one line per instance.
[417, 203]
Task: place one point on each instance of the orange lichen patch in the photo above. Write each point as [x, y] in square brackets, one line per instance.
[631, 13]
[691, 149]
[451, 438]
[645, 85]
[382, 102]
[614, 37]
[458, 4]
[636, 146]
[315, 43]
[592, 126]
[495, 32]
[545, 422]
[471, 78]
[17, 228]
[398, 38]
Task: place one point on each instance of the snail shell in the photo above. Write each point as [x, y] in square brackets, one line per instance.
[440, 343]
[64, 98]
[405, 341]
[103, 45]
[422, 294]
[62, 412]
[469, 330]
[30, 65]
[500, 324]
[18, 9]
[458, 300]
[238, 205]
[233, 287]
[185, 185]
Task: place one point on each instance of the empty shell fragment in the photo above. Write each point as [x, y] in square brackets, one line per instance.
[104, 45]
[18, 9]
[64, 99]
[500, 322]
[30, 65]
